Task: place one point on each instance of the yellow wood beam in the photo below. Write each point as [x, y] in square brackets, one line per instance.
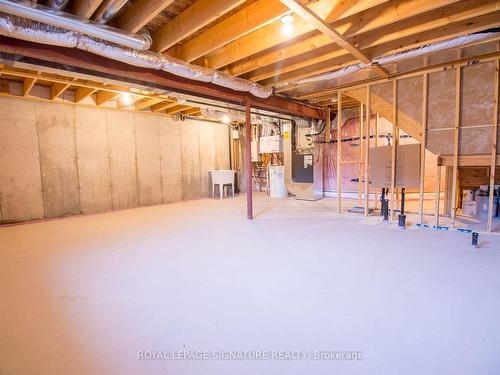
[103, 97]
[57, 89]
[163, 106]
[84, 8]
[245, 21]
[197, 16]
[384, 27]
[83, 92]
[310, 16]
[177, 109]
[28, 84]
[271, 35]
[140, 13]
[145, 103]
[191, 111]
[468, 160]
[463, 27]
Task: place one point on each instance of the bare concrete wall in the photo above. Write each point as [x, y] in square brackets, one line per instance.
[62, 159]
[20, 182]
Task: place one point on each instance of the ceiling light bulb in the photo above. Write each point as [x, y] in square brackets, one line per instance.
[287, 29]
[126, 99]
[226, 119]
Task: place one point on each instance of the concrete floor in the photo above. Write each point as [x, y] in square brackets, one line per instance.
[84, 295]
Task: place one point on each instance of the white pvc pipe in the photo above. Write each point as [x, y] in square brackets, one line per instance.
[66, 21]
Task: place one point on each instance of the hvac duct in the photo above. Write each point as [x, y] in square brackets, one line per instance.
[57, 4]
[20, 28]
[107, 11]
[39, 13]
[397, 57]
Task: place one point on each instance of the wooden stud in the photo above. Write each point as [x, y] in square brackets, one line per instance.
[423, 145]
[339, 152]
[395, 141]
[367, 150]
[361, 150]
[456, 139]
[437, 198]
[493, 149]
[377, 121]
[248, 158]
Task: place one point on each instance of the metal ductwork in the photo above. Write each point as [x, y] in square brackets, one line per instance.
[57, 4]
[393, 58]
[45, 15]
[20, 28]
[109, 10]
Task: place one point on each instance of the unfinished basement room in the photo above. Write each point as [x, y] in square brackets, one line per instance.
[221, 187]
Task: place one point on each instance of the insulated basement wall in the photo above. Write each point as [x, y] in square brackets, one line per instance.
[476, 107]
[62, 159]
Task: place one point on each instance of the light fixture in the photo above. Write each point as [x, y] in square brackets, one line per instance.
[126, 98]
[287, 27]
[226, 119]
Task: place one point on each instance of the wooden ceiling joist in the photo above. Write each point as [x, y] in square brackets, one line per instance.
[103, 97]
[309, 16]
[191, 111]
[82, 93]
[84, 8]
[163, 106]
[197, 16]
[269, 37]
[28, 84]
[57, 89]
[177, 109]
[140, 13]
[146, 103]
[387, 42]
[244, 22]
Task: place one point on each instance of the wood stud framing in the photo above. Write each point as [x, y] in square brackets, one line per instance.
[367, 150]
[339, 152]
[494, 135]
[395, 141]
[423, 146]
[456, 139]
